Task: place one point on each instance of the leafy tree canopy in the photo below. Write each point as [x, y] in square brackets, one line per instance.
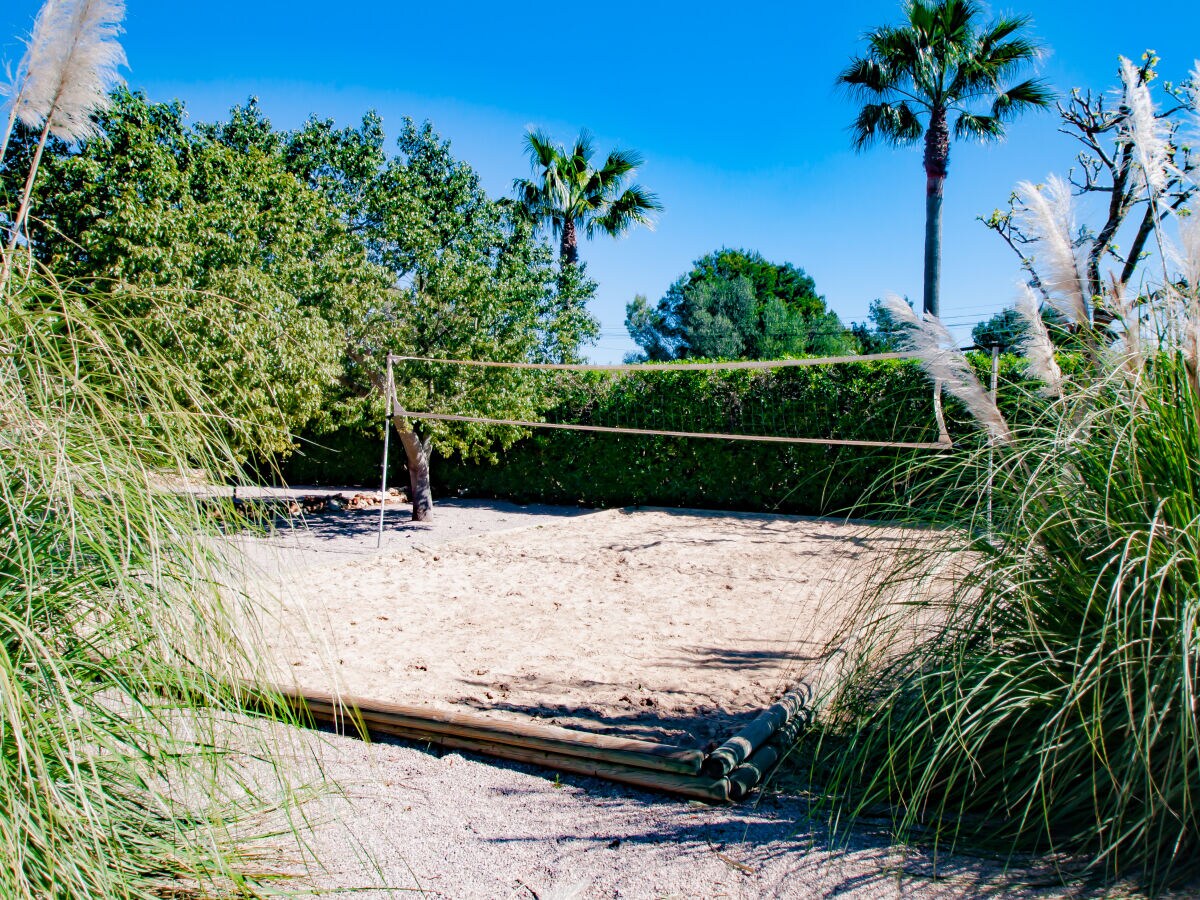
[1006, 330]
[468, 280]
[737, 304]
[880, 333]
[251, 267]
[291, 263]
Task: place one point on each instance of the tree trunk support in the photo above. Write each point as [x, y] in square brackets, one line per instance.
[416, 453]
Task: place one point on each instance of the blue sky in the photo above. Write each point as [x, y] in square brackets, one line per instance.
[733, 107]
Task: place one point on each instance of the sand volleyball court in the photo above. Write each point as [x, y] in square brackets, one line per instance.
[665, 625]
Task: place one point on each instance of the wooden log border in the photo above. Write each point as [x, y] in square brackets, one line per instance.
[661, 767]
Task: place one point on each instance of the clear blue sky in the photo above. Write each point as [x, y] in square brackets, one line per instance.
[733, 106]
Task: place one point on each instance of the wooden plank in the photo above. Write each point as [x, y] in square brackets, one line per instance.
[393, 718]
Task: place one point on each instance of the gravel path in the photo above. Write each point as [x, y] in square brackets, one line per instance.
[459, 826]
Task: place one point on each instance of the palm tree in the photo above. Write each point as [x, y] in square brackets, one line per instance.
[914, 76]
[568, 194]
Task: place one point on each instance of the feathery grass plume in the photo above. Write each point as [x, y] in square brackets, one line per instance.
[1048, 215]
[69, 69]
[1151, 136]
[944, 362]
[1195, 94]
[71, 66]
[1187, 256]
[37, 47]
[1036, 344]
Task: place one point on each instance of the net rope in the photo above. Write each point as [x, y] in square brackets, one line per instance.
[736, 404]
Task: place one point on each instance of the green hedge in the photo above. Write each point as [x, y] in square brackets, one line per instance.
[888, 401]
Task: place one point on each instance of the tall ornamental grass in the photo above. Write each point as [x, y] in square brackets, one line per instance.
[116, 643]
[119, 648]
[1044, 699]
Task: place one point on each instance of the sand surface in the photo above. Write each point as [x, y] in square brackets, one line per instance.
[662, 625]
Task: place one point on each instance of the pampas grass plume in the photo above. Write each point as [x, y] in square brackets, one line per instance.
[1037, 346]
[1149, 134]
[1195, 79]
[70, 66]
[1048, 216]
[944, 362]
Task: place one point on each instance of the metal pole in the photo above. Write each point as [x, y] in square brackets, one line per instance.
[387, 433]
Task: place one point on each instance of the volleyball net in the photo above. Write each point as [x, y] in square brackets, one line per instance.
[849, 401]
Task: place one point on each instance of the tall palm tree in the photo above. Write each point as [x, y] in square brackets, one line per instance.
[568, 194]
[939, 62]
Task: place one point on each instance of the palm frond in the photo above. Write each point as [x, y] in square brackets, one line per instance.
[867, 77]
[891, 123]
[635, 206]
[541, 149]
[983, 128]
[1000, 30]
[584, 149]
[620, 163]
[1028, 95]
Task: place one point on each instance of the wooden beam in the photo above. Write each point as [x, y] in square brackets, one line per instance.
[420, 721]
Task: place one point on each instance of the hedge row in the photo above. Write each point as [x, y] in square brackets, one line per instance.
[890, 401]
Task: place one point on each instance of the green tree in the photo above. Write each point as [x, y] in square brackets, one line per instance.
[256, 267]
[468, 280]
[941, 61]
[736, 304]
[881, 333]
[1007, 330]
[568, 193]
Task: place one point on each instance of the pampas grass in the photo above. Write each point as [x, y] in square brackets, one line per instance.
[1045, 701]
[1036, 345]
[70, 65]
[1150, 135]
[1047, 214]
[125, 644]
[940, 357]
[119, 777]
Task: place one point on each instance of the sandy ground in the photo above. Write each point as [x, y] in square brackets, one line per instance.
[667, 624]
[657, 624]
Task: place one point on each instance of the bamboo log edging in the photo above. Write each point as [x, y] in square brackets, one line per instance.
[742, 745]
[751, 773]
[753, 751]
[396, 719]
